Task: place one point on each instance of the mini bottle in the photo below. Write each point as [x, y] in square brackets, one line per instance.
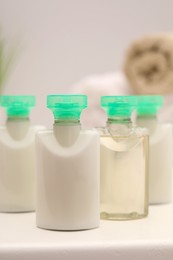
[17, 156]
[124, 161]
[160, 147]
[68, 169]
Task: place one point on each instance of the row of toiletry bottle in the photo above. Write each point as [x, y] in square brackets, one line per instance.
[72, 161]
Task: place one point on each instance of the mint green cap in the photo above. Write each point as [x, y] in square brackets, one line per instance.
[66, 107]
[17, 106]
[149, 105]
[118, 105]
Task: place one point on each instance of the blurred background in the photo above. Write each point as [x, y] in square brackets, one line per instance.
[59, 42]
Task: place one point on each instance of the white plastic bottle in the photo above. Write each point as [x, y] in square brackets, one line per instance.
[123, 162]
[17, 156]
[161, 149]
[68, 169]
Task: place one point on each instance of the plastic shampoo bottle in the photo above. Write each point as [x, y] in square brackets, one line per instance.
[161, 149]
[68, 169]
[124, 161]
[17, 156]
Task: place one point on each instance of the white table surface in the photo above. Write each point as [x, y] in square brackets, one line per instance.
[149, 238]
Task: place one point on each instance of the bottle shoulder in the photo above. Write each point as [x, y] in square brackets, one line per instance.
[162, 133]
[135, 132]
[46, 139]
[84, 132]
[38, 127]
[166, 126]
[32, 128]
[122, 143]
[7, 140]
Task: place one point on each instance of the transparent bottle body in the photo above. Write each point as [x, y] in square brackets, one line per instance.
[124, 174]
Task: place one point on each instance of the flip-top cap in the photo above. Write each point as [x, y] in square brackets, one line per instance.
[17, 106]
[66, 107]
[149, 105]
[118, 105]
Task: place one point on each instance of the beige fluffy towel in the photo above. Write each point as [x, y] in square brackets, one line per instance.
[149, 64]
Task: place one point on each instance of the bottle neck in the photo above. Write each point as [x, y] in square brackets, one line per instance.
[119, 125]
[119, 120]
[66, 132]
[147, 121]
[17, 127]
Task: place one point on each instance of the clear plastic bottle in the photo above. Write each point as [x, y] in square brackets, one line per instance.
[124, 161]
[17, 156]
[68, 169]
[161, 149]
